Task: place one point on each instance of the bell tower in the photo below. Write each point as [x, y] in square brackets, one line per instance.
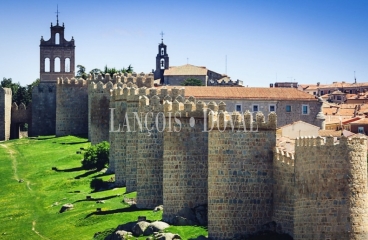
[162, 60]
[57, 57]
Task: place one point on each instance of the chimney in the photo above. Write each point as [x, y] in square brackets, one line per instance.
[271, 85]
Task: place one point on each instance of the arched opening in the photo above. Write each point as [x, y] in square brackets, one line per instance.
[47, 65]
[162, 63]
[67, 65]
[57, 64]
[57, 38]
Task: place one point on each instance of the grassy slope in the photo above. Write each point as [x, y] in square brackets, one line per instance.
[31, 204]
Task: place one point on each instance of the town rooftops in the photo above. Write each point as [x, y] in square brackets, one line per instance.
[248, 93]
[187, 69]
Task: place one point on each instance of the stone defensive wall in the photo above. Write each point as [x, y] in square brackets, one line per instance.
[240, 172]
[44, 109]
[5, 113]
[151, 144]
[19, 115]
[71, 107]
[140, 80]
[331, 189]
[283, 190]
[185, 160]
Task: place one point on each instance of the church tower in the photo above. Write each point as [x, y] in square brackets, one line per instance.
[162, 61]
[56, 55]
[56, 60]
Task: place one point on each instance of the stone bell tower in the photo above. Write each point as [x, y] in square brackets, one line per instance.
[57, 59]
[162, 61]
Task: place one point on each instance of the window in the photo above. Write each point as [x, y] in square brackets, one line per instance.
[47, 65]
[162, 64]
[162, 51]
[338, 97]
[288, 108]
[322, 93]
[350, 91]
[305, 109]
[272, 108]
[314, 93]
[67, 65]
[361, 130]
[255, 108]
[57, 64]
[329, 91]
[238, 108]
[57, 38]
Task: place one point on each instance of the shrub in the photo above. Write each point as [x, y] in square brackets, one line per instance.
[96, 156]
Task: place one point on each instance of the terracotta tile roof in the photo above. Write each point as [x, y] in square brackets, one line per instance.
[346, 112]
[186, 70]
[363, 96]
[346, 121]
[329, 111]
[344, 84]
[310, 86]
[361, 121]
[326, 133]
[247, 93]
[290, 124]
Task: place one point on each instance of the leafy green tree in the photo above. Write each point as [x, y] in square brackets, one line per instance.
[192, 82]
[20, 94]
[81, 73]
[96, 156]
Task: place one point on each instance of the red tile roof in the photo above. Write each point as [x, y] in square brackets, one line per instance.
[248, 93]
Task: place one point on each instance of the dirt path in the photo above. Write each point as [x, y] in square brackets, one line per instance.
[14, 161]
[34, 230]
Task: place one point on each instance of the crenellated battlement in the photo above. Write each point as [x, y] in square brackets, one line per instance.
[73, 82]
[185, 108]
[101, 87]
[329, 141]
[21, 107]
[141, 79]
[284, 156]
[6, 91]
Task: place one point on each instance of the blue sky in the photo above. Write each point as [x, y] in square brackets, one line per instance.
[304, 41]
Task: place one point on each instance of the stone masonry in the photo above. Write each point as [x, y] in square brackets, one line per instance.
[71, 107]
[5, 113]
[240, 173]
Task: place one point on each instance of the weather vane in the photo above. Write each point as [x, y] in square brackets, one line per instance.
[57, 15]
[162, 36]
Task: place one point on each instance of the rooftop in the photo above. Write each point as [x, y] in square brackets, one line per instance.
[187, 69]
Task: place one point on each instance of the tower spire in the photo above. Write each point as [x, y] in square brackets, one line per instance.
[162, 36]
[57, 15]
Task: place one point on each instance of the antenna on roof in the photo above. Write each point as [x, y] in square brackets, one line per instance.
[187, 60]
[354, 77]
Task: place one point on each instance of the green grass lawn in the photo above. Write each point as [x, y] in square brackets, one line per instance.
[30, 209]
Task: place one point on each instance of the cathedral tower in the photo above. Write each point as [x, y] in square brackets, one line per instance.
[162, 61]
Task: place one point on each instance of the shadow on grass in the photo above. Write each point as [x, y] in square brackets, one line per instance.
[45, 138]
[96, 199]
[103, 174]
[76, 169]
[73, 143]
[132, 208]
[86, 174]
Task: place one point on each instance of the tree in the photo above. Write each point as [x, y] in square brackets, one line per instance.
[81, 73]
[96, 156]
[192, 82]
[20, 94]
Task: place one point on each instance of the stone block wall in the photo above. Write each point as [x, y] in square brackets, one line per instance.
[240, 173]
[43, 109]
[283, 190]
[331, 189]
[19, 115]
[185, 161]
[71, 107]
[98, 111]
[5, 113]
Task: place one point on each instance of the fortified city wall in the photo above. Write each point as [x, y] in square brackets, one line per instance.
[5, 113]
[331, 189]
[240, 172]
[71, 107]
